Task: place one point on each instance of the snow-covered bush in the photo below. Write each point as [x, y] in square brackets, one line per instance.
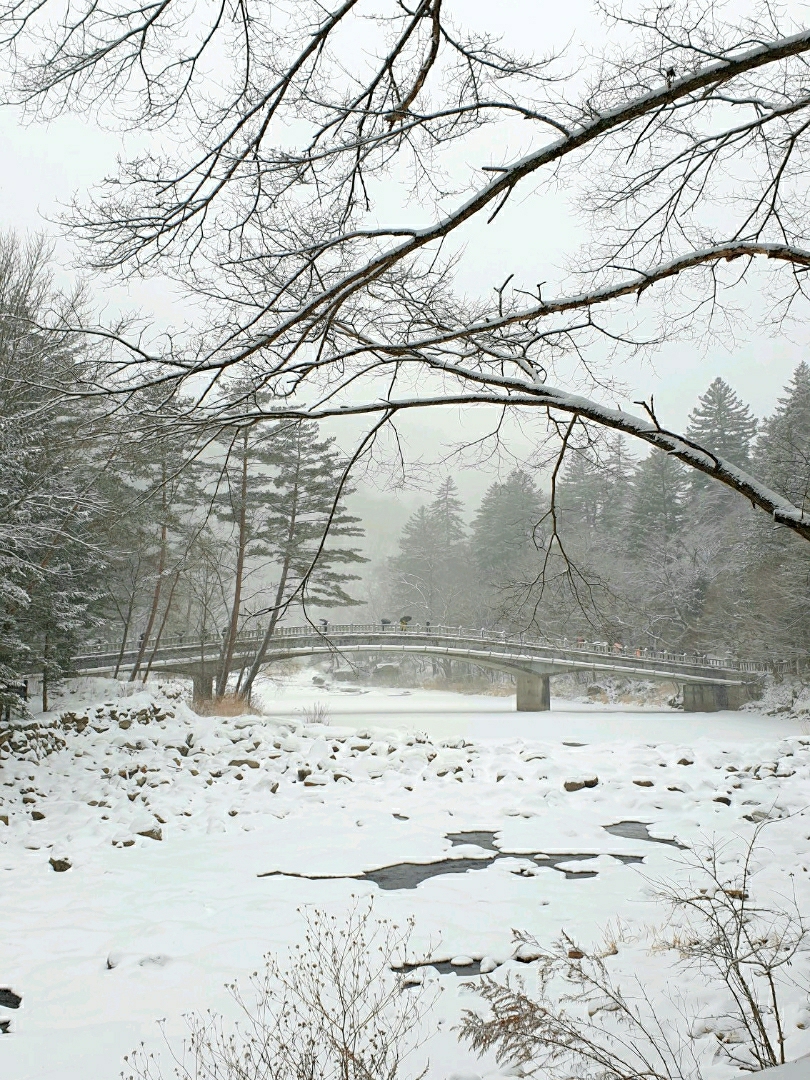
[333, 1010]
[584, 1020]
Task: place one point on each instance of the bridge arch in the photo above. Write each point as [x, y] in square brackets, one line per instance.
[708, 682]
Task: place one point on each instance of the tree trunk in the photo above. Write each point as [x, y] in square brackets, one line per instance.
[158, 585]
[274, 617]
[276, 612]
[127, 621]
[162, 626]
[233, 628]
[45, 675]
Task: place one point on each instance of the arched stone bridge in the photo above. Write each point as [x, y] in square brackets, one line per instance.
[709, 683]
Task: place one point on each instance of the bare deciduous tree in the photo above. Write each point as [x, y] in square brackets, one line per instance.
[684, 145]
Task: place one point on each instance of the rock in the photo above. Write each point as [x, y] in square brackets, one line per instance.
[488, 964]
[723, 799]
[71, 721]
[4, 1026]
[578, 785]
[154, 833]
[685, 761]
[244, 763]
[643, 783]
[462, 961]
[37, 815]
[4, 818]
[576, 954]
[60, 865]
[526, 953]
[304, 773]
[8, 999]
[125, 723]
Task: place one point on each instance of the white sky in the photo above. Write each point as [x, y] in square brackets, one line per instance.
[43, 166]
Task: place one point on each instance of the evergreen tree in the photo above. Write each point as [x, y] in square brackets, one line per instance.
[245, 495]
[429, 577]
[162, 493]
[49, 462]
[593, 491]
[777, 574]
[503, 528]
[656, 510]
[784, 445]
[313, 564]
[722, 423]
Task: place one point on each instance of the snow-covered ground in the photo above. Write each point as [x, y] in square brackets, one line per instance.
[258, 816]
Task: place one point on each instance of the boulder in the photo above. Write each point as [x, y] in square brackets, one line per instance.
[155, 833]
[578, 785]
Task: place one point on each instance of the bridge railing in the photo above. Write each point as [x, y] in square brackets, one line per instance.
[181, 647]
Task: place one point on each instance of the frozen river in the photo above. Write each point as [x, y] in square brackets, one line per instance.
[504, 815]
[449, 716]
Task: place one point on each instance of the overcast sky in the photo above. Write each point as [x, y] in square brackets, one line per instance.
[45, 166]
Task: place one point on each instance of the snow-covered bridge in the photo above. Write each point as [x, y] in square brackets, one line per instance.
[708, 682]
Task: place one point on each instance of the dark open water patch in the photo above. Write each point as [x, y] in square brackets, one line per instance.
[484, 840]
[444, 967]
[408, 875]
[639, 830]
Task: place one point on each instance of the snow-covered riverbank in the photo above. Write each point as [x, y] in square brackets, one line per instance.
[193, 840]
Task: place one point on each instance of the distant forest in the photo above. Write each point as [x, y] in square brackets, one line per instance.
[643, 552]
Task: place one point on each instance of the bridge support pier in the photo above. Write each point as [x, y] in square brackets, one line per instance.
[707, 697]
[533, 693]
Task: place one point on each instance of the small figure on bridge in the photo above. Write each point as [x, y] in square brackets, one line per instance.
[323, 625]
[427, 626]
[385, 623]
[403, 621]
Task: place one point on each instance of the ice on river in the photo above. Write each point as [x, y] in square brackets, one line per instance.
[261, 815]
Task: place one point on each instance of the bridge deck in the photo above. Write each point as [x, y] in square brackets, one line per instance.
[486, 647]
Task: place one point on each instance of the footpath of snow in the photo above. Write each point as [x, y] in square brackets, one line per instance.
[141, 928]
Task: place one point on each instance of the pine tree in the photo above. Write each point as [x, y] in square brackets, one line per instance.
[164, 491]
[721, 423]
[503, 527]
[429, 577]
[593, 491]
[656, 511]
[777, 574]
[784, 445]
[245, 495]
[49, 462]
[312, 564]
